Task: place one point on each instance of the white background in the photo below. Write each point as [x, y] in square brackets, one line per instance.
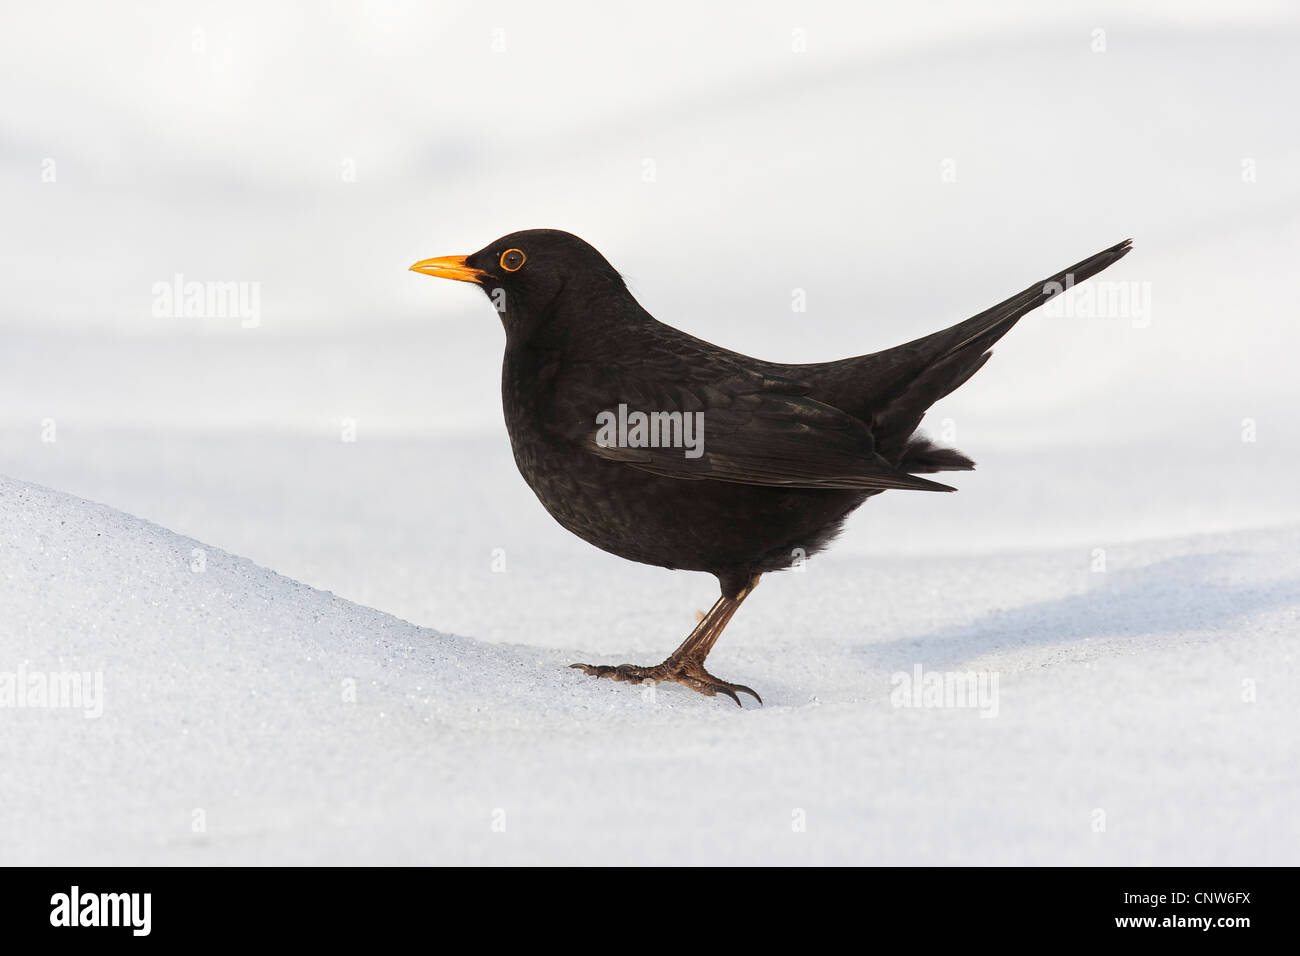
[318, 151]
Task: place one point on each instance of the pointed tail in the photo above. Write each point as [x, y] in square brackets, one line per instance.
[914, 376]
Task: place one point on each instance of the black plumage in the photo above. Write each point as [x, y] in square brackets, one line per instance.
[788, 451]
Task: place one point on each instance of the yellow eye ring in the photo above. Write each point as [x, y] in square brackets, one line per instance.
[512, 260]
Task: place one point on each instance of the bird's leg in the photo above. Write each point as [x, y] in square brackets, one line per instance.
[686, 664]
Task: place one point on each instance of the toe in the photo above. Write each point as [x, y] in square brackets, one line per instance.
[696, 678]
[626, 672]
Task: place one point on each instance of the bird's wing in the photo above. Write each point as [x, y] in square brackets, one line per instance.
[740, 427]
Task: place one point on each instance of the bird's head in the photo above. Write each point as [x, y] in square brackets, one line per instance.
[528, 275]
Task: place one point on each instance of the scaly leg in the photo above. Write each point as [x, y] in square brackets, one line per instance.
[686, 664]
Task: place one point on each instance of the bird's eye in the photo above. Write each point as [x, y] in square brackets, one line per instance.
[512, 260]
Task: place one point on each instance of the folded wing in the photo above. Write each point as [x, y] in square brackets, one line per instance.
[749, 429]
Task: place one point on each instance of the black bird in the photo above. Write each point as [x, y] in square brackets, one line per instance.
[604, 405]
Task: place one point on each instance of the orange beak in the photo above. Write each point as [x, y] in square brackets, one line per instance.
[449, 267]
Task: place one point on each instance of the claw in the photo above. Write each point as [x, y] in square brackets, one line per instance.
[730, 693]
[711, 686]
[687, 673]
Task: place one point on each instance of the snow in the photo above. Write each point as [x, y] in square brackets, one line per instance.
[370, 664]
[304, 728]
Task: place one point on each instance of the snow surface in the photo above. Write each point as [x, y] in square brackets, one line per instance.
[227, 694]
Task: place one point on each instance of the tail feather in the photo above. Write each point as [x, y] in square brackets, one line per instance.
[922, 456]
[991, 324]
[949, 358]
[903, 382]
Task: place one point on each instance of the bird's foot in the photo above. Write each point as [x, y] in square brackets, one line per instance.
[687, 672]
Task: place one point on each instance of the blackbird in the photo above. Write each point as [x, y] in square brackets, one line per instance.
[661, 448]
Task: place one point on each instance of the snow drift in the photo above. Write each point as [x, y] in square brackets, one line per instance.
[1144, 715]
